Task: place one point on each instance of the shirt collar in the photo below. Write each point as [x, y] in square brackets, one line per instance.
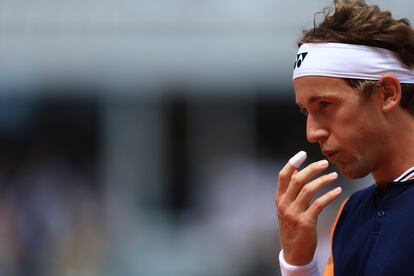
[405, 175]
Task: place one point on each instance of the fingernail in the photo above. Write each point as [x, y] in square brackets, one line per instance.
[323, 163]
[297, 160]
[333, 175]
[338, 190]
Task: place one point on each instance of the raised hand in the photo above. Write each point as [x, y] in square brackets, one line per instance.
[297, 213]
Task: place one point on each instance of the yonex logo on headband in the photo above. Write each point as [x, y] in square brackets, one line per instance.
[299, 59]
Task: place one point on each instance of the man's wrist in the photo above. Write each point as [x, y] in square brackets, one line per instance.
[310, 269]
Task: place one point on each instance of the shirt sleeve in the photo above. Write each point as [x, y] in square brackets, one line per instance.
[310, 269]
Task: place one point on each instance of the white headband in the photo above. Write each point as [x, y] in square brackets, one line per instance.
[349, 61]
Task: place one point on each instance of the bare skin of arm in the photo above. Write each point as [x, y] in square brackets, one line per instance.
[297, 213]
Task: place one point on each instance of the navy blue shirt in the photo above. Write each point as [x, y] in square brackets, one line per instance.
[375, 232]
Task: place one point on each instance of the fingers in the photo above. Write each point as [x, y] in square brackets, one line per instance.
[292, 187]
[298, 181]
[290, 169]
[320, 203]
[309, 190]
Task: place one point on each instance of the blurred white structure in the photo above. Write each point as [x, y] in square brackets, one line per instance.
[199, 42]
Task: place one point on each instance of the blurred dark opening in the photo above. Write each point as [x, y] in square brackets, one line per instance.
[47, 128]
[281, 129]
[176, 118]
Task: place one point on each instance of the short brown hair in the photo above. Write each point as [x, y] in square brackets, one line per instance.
[356, 22]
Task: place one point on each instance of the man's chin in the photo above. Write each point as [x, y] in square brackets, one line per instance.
[350, 172]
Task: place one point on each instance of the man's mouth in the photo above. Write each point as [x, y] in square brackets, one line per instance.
[331, 154]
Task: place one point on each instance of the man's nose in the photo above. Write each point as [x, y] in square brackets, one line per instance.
[315, 132]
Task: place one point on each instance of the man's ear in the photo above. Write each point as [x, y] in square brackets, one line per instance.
[390, 92]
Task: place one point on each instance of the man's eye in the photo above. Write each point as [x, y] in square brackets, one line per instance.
[324, 104]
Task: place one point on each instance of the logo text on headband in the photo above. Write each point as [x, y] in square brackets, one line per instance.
[299, 59]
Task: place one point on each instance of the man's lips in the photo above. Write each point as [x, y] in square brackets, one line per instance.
[331, 154]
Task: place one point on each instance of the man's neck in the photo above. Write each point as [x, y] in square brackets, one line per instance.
[400, 155]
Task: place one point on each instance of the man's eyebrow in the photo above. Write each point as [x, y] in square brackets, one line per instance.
[310, 100]
[314, 99]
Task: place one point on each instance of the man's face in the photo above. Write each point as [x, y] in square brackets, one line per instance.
[348, 127]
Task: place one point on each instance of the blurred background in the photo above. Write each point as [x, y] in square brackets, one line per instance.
[144, 137]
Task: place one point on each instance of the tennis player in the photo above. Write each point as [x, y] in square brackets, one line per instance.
[354, 79]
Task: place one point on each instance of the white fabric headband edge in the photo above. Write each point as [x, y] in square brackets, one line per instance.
[349, 61]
